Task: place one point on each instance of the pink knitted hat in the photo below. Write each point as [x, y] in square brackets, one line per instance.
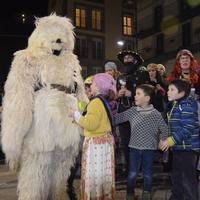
[104, 83]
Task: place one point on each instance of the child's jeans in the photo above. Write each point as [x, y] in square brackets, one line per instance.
[136, 158]
[184, 175]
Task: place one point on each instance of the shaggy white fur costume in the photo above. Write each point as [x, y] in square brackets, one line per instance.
[38, 136]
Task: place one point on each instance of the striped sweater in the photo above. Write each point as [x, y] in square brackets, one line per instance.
[147, 127]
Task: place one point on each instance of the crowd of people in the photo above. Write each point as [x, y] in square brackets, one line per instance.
[134, 114]
[141, 111]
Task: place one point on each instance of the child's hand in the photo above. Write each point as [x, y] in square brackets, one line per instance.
[128, 93]
[163, 145]
[121, 92]
[73, 113]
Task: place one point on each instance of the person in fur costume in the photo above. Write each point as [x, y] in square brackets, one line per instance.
[44, 83]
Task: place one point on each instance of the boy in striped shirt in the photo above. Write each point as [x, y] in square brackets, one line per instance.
[147, 128]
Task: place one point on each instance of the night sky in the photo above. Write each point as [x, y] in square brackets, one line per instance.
[14, 32]
[10, 15]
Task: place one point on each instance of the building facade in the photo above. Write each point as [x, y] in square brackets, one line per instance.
[164, 27]
[157, 29]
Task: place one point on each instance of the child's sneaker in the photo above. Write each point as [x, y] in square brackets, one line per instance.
[146, 195]
[130, 196]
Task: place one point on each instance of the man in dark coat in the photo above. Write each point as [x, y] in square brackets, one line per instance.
[126, 86]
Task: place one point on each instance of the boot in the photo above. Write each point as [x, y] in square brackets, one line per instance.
[70, 187]
[130, 196]
[146, 195]
[71, 193]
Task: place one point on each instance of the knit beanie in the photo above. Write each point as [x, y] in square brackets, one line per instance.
[110, 65]
[104, 83]
[88, 80]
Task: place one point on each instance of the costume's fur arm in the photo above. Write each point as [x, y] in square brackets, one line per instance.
[81, 95]
[17, 107]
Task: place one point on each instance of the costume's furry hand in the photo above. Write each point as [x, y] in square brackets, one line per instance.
[14, 165]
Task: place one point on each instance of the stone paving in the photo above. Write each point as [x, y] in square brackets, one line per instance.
[8, 183]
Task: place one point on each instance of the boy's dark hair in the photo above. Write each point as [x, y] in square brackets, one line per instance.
[182, 86]
[148, 90]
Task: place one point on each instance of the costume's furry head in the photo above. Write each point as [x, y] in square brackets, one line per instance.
[54, 34]
[52, 44]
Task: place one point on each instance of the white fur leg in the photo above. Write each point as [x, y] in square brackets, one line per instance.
[35, 176]
[64, 162]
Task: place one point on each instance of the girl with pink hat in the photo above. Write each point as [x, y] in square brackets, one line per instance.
[97, 173]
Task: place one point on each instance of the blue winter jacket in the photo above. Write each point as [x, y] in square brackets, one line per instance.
[183, 125]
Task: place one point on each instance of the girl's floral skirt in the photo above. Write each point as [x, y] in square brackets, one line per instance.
[98, 170]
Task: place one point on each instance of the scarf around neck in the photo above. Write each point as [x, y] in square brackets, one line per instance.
[145, 111]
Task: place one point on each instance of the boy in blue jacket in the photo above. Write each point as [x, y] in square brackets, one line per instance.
[184, 140]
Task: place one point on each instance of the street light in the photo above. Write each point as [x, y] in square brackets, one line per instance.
[120, 43]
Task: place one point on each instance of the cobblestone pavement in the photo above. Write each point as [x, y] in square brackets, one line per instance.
[8, 182]
[161, 187]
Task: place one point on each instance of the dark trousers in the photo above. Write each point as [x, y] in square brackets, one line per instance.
[184, 176]
[136, 158]
[125, 131]
[2, 155]
[72, 175]
[70, 188]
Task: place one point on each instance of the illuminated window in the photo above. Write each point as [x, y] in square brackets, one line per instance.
[127, 25]
[96, 19]
[80, 17]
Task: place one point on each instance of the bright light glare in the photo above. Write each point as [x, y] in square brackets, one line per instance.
[120, 43]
